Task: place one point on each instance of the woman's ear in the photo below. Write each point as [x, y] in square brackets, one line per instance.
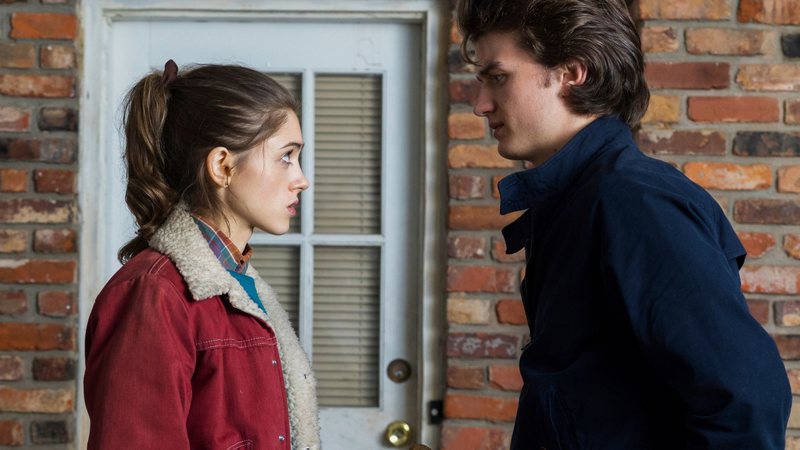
[219, 166]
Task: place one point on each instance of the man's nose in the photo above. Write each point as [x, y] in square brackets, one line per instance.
[483, 103]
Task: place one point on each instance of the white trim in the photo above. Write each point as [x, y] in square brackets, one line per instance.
[96, 17]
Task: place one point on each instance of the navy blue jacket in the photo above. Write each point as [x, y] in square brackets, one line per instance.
[640, 335]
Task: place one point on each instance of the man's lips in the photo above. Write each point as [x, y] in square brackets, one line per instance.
[495, 126]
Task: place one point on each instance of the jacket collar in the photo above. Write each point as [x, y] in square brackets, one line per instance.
[533, 188]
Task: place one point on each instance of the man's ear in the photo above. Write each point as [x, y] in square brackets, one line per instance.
[219, 166]
[573, 73]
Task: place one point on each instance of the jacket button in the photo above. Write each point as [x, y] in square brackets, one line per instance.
[281, 438]
[274, 362]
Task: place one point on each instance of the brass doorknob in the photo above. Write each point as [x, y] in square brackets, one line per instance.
[398, 433]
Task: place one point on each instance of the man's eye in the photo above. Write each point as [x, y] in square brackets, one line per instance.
[498, 78]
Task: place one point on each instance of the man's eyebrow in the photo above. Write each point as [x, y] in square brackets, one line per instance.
[488, 68]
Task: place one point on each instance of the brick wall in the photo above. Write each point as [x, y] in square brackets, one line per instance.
[724, 77]
[38, 235]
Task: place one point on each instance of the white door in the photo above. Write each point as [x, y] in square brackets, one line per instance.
[348, 271]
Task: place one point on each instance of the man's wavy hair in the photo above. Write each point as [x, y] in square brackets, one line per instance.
[597, 33]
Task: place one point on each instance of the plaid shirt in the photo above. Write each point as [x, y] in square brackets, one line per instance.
[225, 250]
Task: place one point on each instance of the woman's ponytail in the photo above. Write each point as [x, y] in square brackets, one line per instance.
[148, 195]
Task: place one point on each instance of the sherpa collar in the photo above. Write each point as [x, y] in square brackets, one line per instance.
[181, 240]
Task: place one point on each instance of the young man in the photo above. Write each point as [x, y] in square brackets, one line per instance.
[640, 336]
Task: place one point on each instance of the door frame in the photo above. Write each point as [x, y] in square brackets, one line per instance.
[97, 18]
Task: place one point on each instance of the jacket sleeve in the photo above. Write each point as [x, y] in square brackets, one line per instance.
[664, 258]
[139, 362]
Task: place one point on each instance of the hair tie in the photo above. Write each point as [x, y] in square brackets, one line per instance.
[170, 73]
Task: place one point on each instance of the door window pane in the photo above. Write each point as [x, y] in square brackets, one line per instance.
[279, 266]
[347, 325]
[347, 154]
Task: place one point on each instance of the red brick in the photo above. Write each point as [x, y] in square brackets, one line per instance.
[789, 179]
[58, 119]
[767, 211]
[474, 438]
[511, 312]
[467, 186]
[480, 279]
[730, 41]
[11, 368]
[56, 304]
[781, 280]
[475, 217]
[481, 407]
[57, 57]
[36, 336]
[659, 40]
[47, 150]
[685, 9]
[14, 119]
[44, 26]
[769, 77]
[481, 345]
[55, 181]
[466, 377]
[788, 346]
[11, 433]
[463, 91]
[54, 241]
[13, 302]
[794, 380]
[37, 400]
[466, 247]
[13, 180]
[477, 156]
[48, 86]
[759, 309]
[682, 142]
[688, 75]
[792, 112]
[781, 12]
[662, 109]
[734, 109]
[17, 55]
[787, 313]
[791, 245]
[53, 369]
[468, 311]
[496, 185]
[456, 64]
[506, 378]
[466, 125]
[27, 271]
[35, 211]
[729, 176]
[499, 252]
[757, 244]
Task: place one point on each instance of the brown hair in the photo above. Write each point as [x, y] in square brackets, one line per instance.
[597, 33]
[172, 123]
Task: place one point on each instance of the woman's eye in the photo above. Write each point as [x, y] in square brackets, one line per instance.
[287, 158]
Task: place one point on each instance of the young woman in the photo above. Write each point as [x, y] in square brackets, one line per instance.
[186, 346]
